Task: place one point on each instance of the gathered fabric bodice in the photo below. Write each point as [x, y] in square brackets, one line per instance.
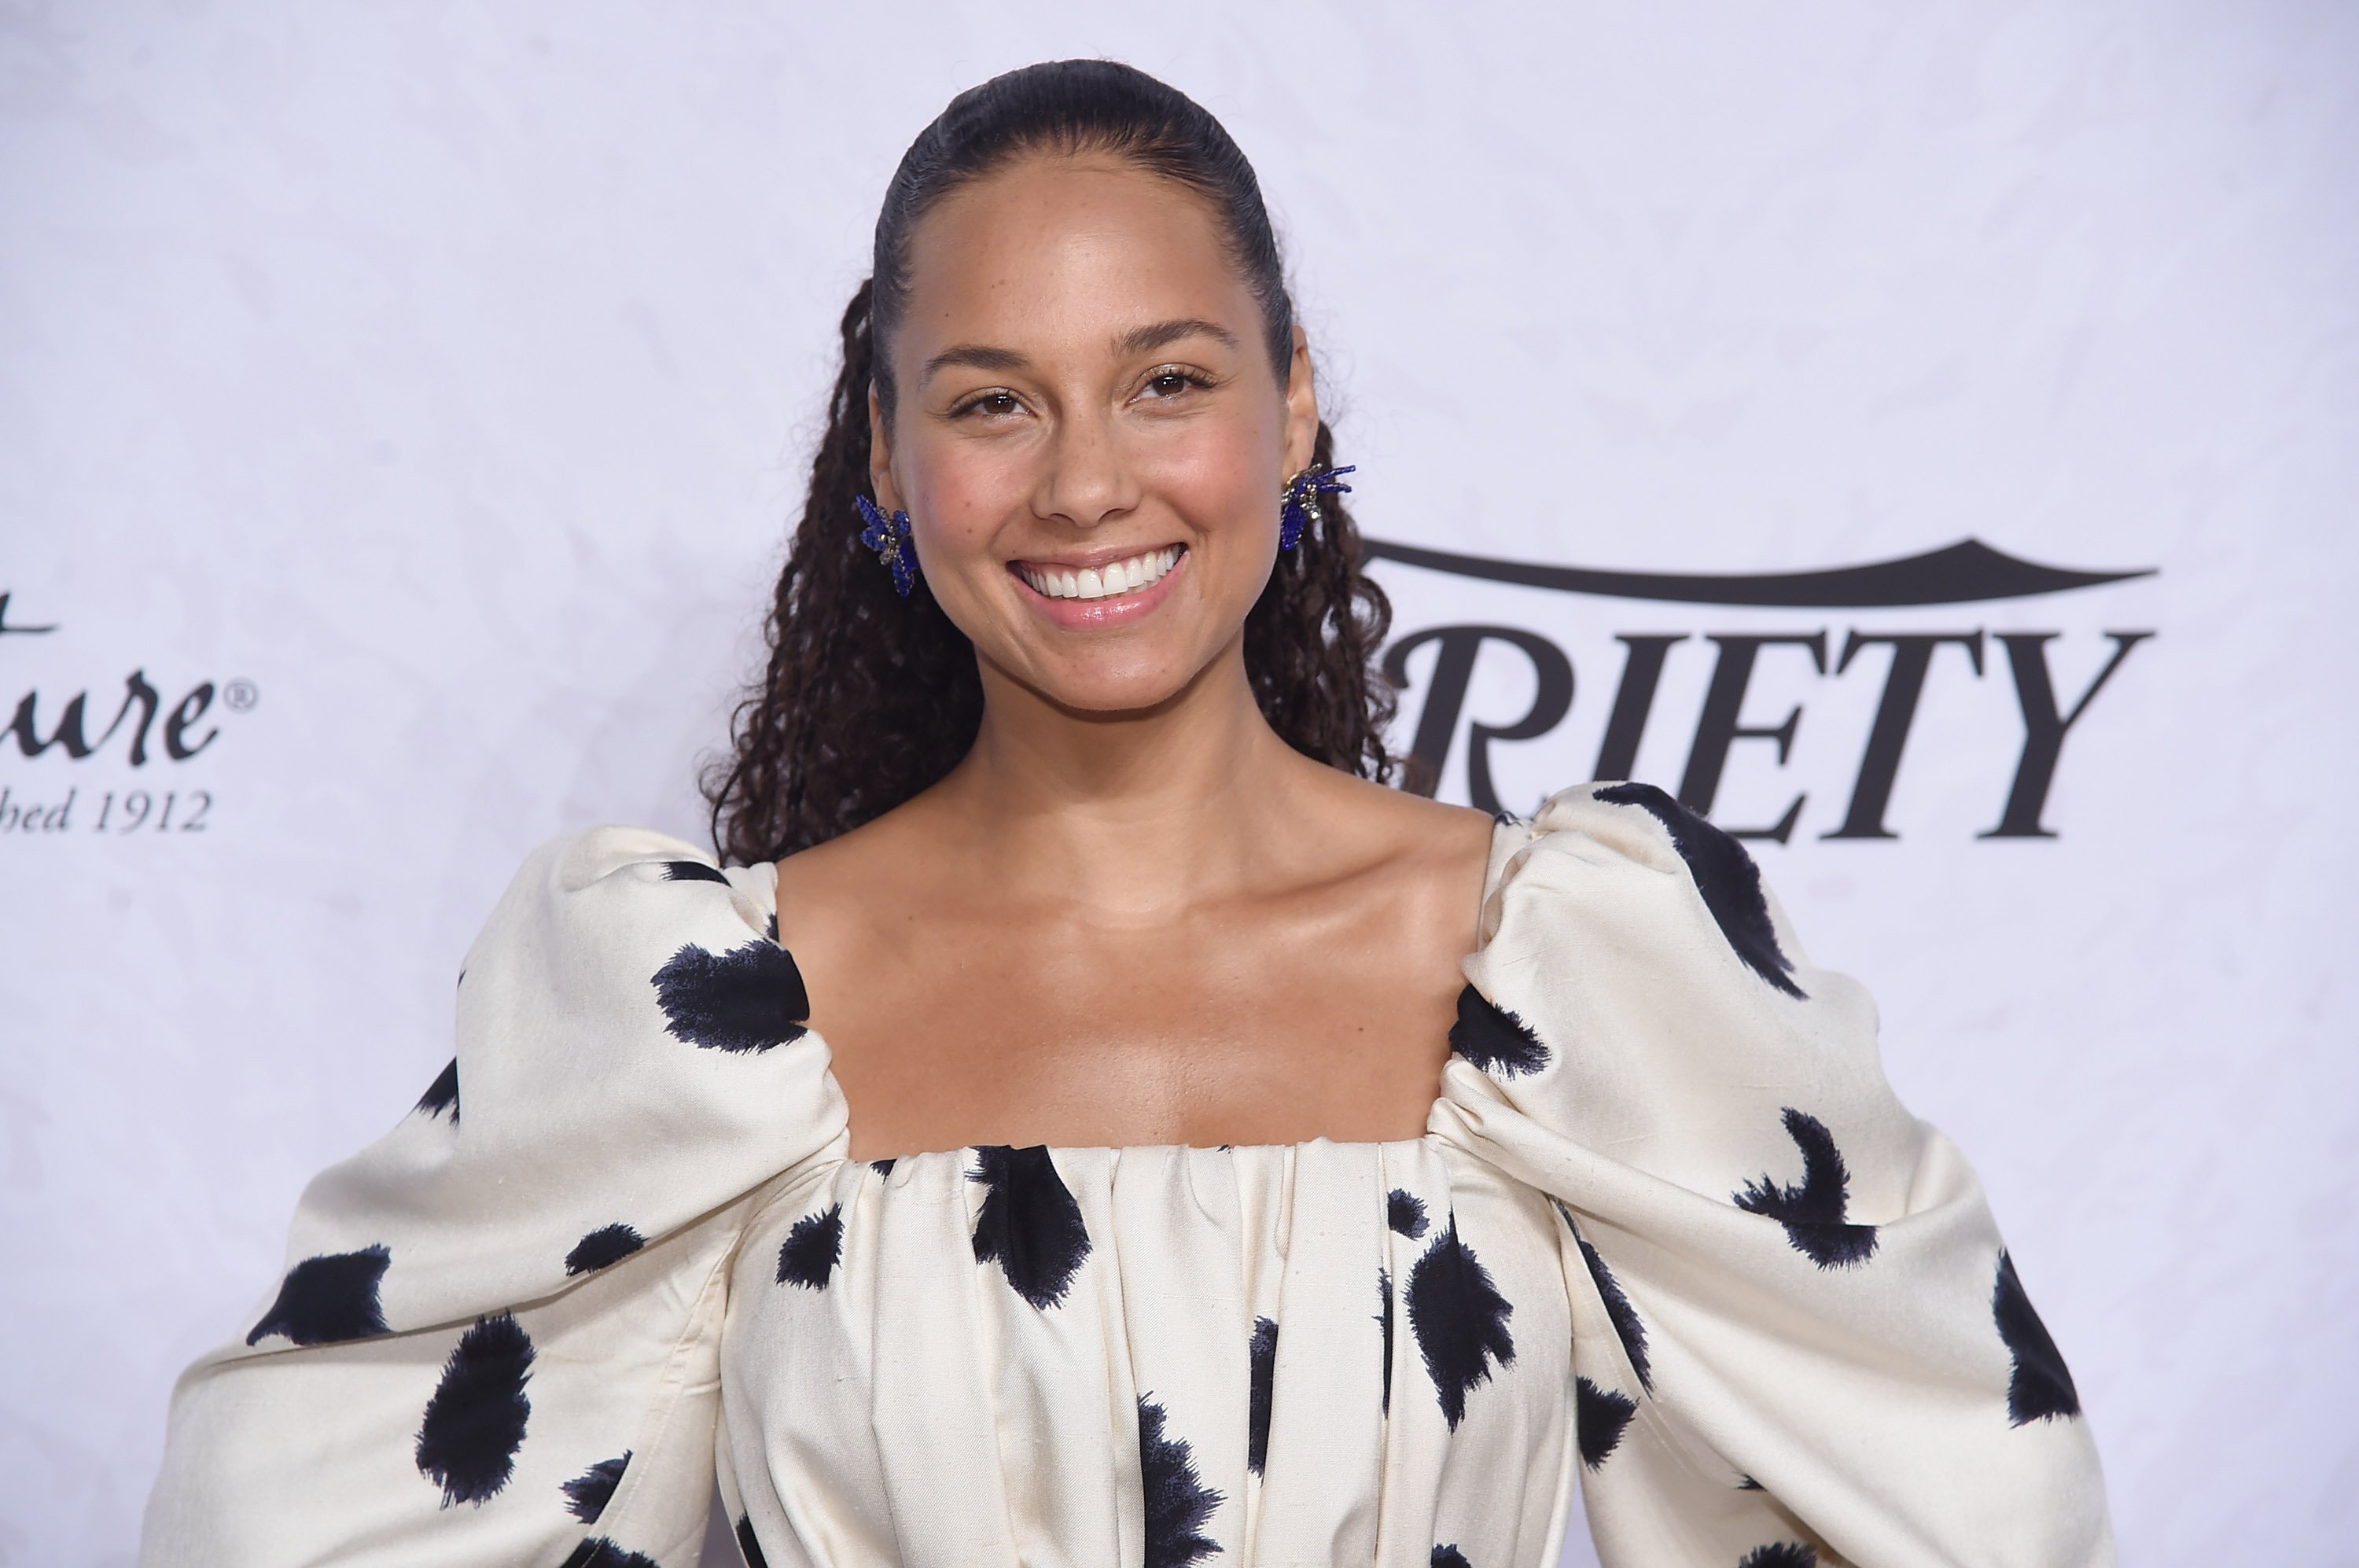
[1668, 1237]
[1162, 1355]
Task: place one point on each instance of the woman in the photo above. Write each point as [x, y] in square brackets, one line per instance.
[1028, 1150]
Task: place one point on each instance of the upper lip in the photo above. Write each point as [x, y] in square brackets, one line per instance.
[1092, 559]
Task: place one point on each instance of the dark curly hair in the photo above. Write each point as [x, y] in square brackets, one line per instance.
[869, 698]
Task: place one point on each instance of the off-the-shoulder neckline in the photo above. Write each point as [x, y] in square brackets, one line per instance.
[1500, 825]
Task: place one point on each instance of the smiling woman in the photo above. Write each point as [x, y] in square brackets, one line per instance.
[1113, 237]
[1080, 1117]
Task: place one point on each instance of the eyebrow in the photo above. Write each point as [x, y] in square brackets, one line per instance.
[978, 356]
[1138, 340]
[1162, 334]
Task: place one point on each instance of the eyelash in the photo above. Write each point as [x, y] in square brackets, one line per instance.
[979, 398]
[1196, 380]
[1193, 379]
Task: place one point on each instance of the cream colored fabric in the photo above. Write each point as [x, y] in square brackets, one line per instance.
[1632, 1248]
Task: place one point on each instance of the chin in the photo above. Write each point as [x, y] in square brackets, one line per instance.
[1111, 694]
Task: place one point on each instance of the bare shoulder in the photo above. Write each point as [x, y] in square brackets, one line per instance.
[843, 874]
[1410, 828]
[1433, 857]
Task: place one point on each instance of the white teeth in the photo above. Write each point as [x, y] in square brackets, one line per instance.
[1103, 581]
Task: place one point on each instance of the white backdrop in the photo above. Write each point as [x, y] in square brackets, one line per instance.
[415, 397]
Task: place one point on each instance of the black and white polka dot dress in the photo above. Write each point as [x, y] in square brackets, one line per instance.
[1667, 1237]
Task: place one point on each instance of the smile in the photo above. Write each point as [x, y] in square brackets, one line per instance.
[1107, 582]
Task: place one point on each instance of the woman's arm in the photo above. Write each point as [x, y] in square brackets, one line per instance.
[496, 1338]
[1797, 1331]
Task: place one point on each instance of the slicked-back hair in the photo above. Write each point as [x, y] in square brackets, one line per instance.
[868, 698]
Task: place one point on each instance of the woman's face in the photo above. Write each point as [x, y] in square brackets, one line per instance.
[1088, 437]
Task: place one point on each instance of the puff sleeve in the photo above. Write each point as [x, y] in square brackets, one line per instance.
[496, 1339]
[1798, 1337]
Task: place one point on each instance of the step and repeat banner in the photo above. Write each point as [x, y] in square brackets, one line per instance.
[1923, 438]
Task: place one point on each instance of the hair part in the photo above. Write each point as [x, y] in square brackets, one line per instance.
[868, 698]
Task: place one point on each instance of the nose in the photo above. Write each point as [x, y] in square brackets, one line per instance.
[1086, 480]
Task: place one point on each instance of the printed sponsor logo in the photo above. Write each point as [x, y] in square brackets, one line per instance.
[145, 729]
[1969, 572]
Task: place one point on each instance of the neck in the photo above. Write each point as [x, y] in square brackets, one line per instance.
[1126, 812]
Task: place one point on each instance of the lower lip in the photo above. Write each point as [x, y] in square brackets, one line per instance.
[1117, 610]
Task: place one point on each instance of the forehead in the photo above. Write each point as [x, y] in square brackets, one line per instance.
[1061, 252]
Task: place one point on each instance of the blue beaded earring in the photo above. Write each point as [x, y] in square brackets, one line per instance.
[889, 537]
[1299, 500]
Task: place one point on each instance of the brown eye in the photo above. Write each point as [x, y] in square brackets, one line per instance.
[1170, 384]
[989, 405]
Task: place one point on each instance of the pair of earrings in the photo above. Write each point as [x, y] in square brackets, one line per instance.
[1298, 508]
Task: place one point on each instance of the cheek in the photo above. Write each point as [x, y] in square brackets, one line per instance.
[1219, 477]
[962, 494]
[961, 498]
[1225, 491]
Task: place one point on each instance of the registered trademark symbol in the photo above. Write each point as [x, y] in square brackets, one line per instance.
[239, 695]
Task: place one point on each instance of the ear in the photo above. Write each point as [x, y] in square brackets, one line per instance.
[1301, 408]
[880, 456]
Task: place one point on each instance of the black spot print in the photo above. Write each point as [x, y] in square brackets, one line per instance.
[1459, 1320]
[608, 1244]
[442, 1095]
[1028, 1224]
[2040, 1388]
[1812, 1213]
[1494, 1039]
[692, 871]
[1385, 1323]
[751, 1548]
[771, 930]
[748, 998]
[1599, 1416]
[1725, 875]
[329, 1299]
[599, 1552]
[1449, 1557]
[812, 1249]
[1177, 1501]
[1747, 1484]
[1618, 1311]
[1405, 1212]
[587, 1495]
[1262, 1354]
[1780, 1554]
[474, 1424]
[882, 1167]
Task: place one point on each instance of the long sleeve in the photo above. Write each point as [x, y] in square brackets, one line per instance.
[1798, 1336]
[496, 1339]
